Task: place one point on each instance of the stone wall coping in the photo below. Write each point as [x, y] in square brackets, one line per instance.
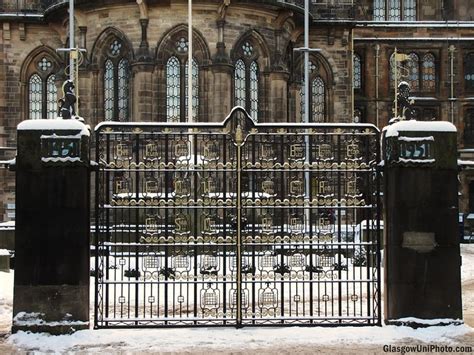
[53, 125]
[419, 126]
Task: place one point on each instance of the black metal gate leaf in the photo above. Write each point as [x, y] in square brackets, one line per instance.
[237, 223]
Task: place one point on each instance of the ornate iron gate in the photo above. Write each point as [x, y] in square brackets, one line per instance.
[237, 224]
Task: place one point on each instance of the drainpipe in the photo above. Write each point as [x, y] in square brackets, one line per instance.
[352, 75]
[451, 50]
[377, 55]
[352, 66]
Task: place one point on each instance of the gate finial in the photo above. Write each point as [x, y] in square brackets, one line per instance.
[239, 135]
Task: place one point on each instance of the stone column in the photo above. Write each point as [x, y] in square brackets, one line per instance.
[221, 102]
[278, 97]
[142, 91]
[422, 260]
[51, 287]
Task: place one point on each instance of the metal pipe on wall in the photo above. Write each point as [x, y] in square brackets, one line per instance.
[451, 50]
[377, 55]
[190, 61]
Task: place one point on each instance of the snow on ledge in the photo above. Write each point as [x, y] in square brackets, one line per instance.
[428, 321]
[61, 159]
[33, 318]
[54, 124]
[419, 126]
[4, 252]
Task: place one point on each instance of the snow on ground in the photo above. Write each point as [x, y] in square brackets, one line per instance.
[265, 340]
[6, 301]
[248, 339]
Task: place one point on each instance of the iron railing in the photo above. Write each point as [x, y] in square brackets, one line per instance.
[236, 224]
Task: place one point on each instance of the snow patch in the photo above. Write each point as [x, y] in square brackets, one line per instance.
[416, 139]
[416, 161]
[61, 159]
[33, 319]
[197, 340]
[419, 126]
[54, 124]
[427, 321]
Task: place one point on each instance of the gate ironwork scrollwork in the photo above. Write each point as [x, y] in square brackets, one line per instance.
[237, 223]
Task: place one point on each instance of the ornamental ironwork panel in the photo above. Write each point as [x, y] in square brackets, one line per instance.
[237, 223]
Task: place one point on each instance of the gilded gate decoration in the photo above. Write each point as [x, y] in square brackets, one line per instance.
[236, 224]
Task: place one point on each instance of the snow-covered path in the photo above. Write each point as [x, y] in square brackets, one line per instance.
[360, 340]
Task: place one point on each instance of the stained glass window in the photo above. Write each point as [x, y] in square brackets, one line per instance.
[409, 10]
[116, 83]
[42, 91]
[247, 49]
[109, 90]
[317, 103]
[246, 79]
[469, 72]
[177, 68]
[429, 72]
[173, 84]
[35, 97]
[318, 100]
[254, 90]
[413, 72]
[195, 89]
[51, 97]
[44, 64]
[115, 48]
[379, 10]
[392, 10]
[182, 45]
[357, 72]
[123, 80]
[239, 83]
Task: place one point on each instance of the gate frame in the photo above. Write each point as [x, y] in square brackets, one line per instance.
[308, 127]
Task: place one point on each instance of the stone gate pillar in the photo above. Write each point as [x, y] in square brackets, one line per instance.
[422, 260]
[51, 287]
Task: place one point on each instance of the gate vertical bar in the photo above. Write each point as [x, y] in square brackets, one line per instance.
[378, 214]
[97, 231]
[239, 141]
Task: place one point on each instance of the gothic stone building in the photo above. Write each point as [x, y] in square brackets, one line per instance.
[135, 68]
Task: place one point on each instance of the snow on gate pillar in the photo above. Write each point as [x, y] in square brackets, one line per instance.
[422, 260]
[51, 287]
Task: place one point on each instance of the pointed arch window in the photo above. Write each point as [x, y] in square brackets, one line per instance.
[42, 91]
[246, 80]
[317, 101]
[317, 96]
[394, 10]
[177, 87]
[116, 82]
